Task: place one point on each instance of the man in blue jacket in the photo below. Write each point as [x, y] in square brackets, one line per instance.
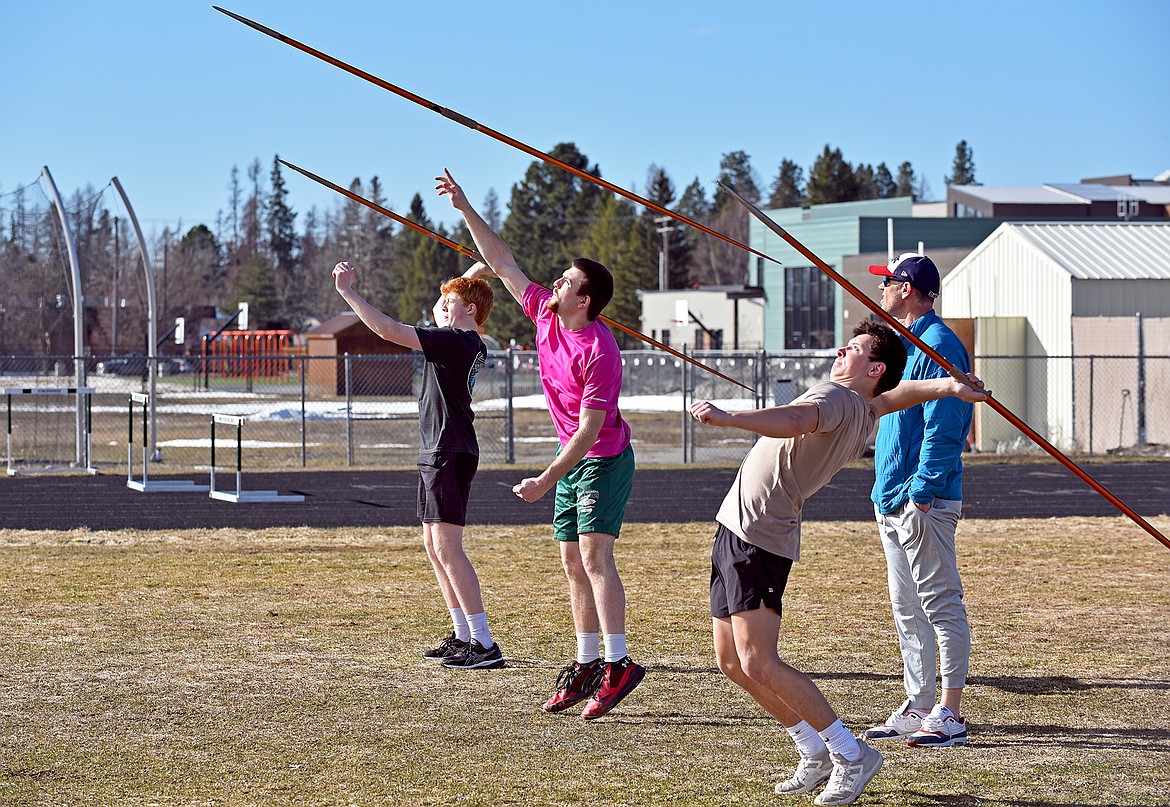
[917, 498]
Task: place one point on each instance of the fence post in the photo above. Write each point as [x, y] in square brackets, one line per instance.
[304, 427]
[686, 426]
[249, 359]
[1092, 389]
[509, 410]
[348, 415]
[1141, 382]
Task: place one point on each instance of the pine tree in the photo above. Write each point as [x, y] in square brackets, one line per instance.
[254, 285]
[281, 236]
[866, 182]
[694, 245]
[233, 217]
[384, 282]
[196, 271]
[884, 183]
[491, 210]
[420, 268]
[736, 172]
[788, 187]
[906, 181]
[831, 179]
[963, 167]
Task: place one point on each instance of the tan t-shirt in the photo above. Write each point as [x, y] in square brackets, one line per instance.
[778, 474]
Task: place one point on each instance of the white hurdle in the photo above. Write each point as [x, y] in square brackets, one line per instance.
[88, 393]
[148, 485]
[241, 495]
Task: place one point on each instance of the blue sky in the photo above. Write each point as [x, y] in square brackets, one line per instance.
[169, 95]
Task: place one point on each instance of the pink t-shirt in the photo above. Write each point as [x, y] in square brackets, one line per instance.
[578, 369]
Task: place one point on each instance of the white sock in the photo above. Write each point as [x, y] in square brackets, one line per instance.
[840, 741]
[808, 743]
[588, 647]
[479, 629]
[459, 622]
[615, 646]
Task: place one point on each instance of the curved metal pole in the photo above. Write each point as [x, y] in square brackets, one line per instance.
[475, 256]
[81, 454]
[479, 127]
[950, 368]
[152, 320]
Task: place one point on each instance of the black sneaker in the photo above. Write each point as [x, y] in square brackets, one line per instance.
[575, 683]
[450, 647]
[476, 657]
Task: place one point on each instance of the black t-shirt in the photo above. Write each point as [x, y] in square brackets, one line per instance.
[453, 357]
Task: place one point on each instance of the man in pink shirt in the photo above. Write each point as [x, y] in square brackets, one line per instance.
[593, 472]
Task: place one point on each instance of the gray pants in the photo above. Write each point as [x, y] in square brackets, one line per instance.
[927, 598]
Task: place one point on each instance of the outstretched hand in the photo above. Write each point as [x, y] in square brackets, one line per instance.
[449, 187]
[974, 391]
[480, 269]
[709, 413]
[343, 275]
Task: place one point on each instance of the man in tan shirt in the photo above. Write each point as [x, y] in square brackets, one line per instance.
[802, 446]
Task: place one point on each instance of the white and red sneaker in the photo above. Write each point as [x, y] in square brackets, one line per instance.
[902, 722]
[940, 729]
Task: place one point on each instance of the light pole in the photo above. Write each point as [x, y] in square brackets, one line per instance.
[665, 228]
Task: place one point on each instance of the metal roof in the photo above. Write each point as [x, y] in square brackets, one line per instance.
[1105, 251]
[1154, 194]
[1056, 193]
[1019, 194]
[1094, 193]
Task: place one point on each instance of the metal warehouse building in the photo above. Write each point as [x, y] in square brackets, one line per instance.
[1072, 330]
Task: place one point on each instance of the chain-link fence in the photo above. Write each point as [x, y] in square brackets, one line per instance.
[1083, 404]
[361, 411]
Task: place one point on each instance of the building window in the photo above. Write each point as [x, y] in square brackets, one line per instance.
[808, 308]
[665, 337]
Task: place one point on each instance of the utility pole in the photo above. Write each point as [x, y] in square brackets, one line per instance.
[665, 228]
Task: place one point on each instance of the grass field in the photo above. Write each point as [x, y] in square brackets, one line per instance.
[282, 667]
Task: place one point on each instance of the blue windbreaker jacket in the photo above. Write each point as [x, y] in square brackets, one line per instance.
[918, 452]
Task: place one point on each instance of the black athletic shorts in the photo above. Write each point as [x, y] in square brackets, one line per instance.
[743, 576]
[444, 485]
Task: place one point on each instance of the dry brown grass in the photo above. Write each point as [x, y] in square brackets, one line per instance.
[282, 667]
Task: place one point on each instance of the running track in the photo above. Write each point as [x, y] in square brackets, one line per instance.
[386, 498]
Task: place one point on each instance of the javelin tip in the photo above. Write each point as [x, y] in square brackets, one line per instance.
[250, 23]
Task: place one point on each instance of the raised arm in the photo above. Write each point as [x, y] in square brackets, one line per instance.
[493, 249]
[790, 420]
[589, 426]
[912, 393]
[389, 329]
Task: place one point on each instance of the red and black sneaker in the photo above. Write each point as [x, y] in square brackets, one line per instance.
[618, 680]
[575, 683]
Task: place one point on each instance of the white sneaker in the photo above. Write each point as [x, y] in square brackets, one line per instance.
[902, 722]
[849, 779]
[940, 729]
[810, 773]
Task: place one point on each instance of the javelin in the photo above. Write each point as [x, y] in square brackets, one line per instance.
[946, 365]
[475, 256]
[479, 127]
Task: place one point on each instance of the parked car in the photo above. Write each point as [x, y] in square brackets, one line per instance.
[137, 366]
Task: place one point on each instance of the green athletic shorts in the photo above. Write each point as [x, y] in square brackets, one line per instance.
[592, 496]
